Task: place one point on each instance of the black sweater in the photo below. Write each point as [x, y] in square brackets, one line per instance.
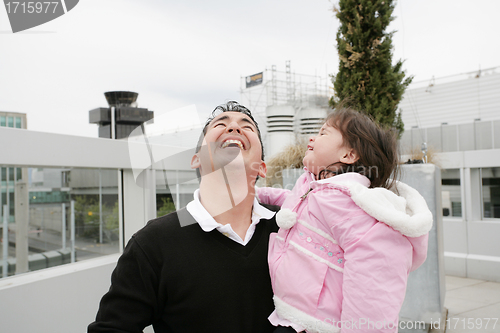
[183, 280]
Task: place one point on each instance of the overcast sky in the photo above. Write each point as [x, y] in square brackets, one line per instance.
[179, 53]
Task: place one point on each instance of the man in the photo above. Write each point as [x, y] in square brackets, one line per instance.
[202, 268]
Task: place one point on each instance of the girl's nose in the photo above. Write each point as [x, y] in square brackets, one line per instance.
[312, 138]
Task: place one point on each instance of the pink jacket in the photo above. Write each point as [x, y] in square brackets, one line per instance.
[344, 251]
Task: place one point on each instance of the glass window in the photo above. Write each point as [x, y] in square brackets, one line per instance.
[4, 200]
[451, 193]
[10, 122]
[11, 205]
[174, 189]
[4, 174]
[490, 181]
[19, 173]
[3, 121]
[11, 174]
[18, 122]
[95, 211]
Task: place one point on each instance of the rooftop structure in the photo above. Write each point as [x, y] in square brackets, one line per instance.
[123, 113]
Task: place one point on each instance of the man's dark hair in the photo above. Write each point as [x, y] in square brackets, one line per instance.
[231, 106]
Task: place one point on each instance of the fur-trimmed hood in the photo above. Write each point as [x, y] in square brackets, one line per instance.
[406, 211]
[402, 208]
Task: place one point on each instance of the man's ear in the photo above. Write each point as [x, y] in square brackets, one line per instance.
[195, 162]
[262, 169]
[349, 156]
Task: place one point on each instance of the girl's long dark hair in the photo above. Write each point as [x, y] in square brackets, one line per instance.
[375, 146]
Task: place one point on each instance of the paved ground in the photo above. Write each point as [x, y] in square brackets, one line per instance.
[470, 303]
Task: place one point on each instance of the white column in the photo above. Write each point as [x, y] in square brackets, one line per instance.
[22, 223]
[5, 240]
[100, 207]
[63, 230]
[73, 259]
[121, 229]
[139, 201]
[113, 122]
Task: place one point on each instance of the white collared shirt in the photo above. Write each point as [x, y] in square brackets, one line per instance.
[208, 223]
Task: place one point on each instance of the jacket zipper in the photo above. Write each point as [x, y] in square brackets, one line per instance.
[302, 198]
[295, 209]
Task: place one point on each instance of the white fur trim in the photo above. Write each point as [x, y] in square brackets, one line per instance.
[316, 257]
[407, 213]
[318, 231]
[286, 219]
[311, 324]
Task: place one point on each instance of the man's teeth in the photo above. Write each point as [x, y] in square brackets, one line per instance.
[230, 142]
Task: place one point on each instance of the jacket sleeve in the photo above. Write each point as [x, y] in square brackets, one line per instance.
[377, 263]
[131, 302]
[271, 195]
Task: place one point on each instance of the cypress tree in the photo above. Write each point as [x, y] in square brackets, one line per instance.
[366, 77]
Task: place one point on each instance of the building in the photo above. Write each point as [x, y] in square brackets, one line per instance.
[288, 106]
[458, 118]
[10, 175]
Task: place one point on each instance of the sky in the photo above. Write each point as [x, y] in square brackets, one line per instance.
[192, 53]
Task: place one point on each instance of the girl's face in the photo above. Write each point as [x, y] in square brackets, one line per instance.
[326, 148]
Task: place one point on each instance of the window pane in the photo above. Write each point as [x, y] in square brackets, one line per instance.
[4, 200]
[96, 212]
[11, 174]
[451, 193]
[18, 122]
[10, 122]
[11, 205]
[3, 121]
[174, 189]
[4, 174]
[491, 192]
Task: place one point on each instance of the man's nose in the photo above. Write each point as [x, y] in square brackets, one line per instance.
[233, 127]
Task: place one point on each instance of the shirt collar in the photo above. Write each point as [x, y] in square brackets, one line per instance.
[208, 223]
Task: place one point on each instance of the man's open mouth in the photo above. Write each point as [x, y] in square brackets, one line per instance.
[233, 143]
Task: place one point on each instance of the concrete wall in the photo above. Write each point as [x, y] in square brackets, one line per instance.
[55, 300]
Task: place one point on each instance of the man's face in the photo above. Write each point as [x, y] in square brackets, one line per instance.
[228, 135]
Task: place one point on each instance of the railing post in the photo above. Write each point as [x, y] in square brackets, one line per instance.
[22, 217]
[73, 231]
[5, 240]
[63, 231]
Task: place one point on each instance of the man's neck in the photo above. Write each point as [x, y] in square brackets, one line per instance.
[228, 202]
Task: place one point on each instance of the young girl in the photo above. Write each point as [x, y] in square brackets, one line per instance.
[347, 241]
